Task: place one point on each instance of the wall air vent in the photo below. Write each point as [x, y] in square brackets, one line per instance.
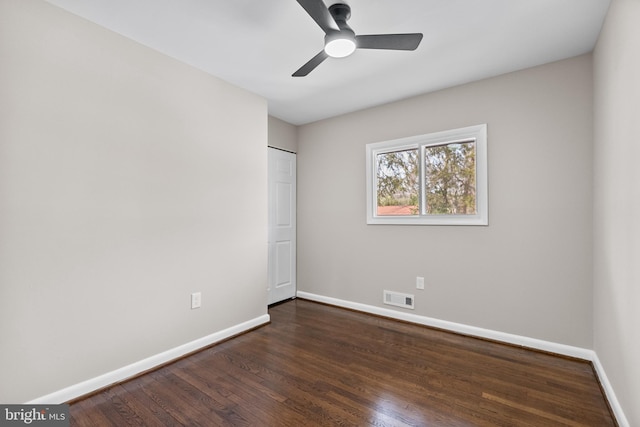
[398, 299]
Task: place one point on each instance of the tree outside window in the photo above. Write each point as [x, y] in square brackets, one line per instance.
[450, 179]
[398, 182]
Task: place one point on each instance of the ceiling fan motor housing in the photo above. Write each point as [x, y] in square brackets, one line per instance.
[339, 44]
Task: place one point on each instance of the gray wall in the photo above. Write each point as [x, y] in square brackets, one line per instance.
[283, 135]
[617, 203]
[529, 271]
[115, 201]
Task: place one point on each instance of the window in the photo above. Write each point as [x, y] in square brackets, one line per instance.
[438, 178]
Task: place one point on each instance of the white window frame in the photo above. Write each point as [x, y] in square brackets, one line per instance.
[476, 133]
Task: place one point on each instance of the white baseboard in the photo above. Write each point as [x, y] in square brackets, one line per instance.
[608, 390]
[121, 374]
[551, 347]
[561, 349]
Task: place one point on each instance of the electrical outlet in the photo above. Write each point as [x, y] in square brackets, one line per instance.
[419, 282]
[196, 300]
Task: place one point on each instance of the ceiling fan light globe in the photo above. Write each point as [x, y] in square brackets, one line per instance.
[340, 47]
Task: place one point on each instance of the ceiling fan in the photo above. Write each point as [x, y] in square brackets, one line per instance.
[340, 40]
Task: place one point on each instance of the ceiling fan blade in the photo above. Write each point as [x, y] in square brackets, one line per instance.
[311, 65]
[389, 41]
[319, 12]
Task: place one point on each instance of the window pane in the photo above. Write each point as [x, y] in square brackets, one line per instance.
[398, 186]
[450, 179]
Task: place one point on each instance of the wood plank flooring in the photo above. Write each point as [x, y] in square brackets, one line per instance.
[318, 365]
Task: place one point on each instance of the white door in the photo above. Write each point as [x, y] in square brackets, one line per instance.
[282, 225]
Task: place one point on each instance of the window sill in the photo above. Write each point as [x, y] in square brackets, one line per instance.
[418, 220]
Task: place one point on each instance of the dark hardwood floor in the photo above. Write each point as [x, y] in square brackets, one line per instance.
[322, 365]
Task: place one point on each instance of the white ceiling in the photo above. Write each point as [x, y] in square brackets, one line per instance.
[258, 44]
